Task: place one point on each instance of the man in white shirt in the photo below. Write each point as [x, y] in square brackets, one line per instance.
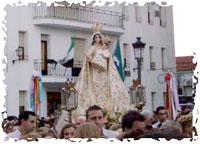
[162, 116]
[27, 124]
[95, 114]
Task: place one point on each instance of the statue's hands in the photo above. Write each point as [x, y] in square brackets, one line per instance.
[89, 58]
[104, 47]
[105, 57]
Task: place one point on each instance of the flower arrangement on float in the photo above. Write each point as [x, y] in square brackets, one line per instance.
[114, 115]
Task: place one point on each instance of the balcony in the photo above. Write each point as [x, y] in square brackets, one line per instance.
[51, 69]
[69, 17]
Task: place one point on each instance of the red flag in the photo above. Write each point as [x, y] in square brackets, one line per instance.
[167, 79]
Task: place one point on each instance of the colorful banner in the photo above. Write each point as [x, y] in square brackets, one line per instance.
[36, 92]
[172, 100]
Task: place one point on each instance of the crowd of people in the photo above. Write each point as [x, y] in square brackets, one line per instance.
[134, 124]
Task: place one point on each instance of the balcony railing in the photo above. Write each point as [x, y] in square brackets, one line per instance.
[51, 68]
[81, 14]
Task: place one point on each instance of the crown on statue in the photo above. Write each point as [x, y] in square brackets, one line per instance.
[97, 27]
[106, 39]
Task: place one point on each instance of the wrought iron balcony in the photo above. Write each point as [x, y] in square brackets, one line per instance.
[80, 14]
[50, 67]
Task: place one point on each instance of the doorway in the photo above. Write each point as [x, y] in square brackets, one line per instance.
[53, 102]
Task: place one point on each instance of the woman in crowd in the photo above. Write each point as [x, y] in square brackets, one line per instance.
[88, 130]
[67, 131]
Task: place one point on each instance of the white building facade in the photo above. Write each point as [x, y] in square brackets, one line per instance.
[186, 85]
[45, 33]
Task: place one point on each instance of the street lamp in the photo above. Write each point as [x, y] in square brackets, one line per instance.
[137, 91]
[71, 95]
[19, 52]
[137, 95]
[138, 48]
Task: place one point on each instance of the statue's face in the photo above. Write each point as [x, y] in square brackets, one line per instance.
[97, 38]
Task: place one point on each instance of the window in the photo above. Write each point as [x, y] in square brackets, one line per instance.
[164, 99]
[126, 56]
[180, 91]
[163, 58]
[21, 101]
[179, 85]
[138, 13]
[188, 90]
[21, 43]
[152, 63]
[163, 16]
[125, 12]
[150, 13]
[79, 45]
[151, 53]
[127, 73]
[153, 94]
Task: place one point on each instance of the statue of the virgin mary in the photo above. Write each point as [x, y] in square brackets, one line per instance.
[99, 82]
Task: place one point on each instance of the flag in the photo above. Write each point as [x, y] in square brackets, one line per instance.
[172, 100]
[118, 59]
[68, 60]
